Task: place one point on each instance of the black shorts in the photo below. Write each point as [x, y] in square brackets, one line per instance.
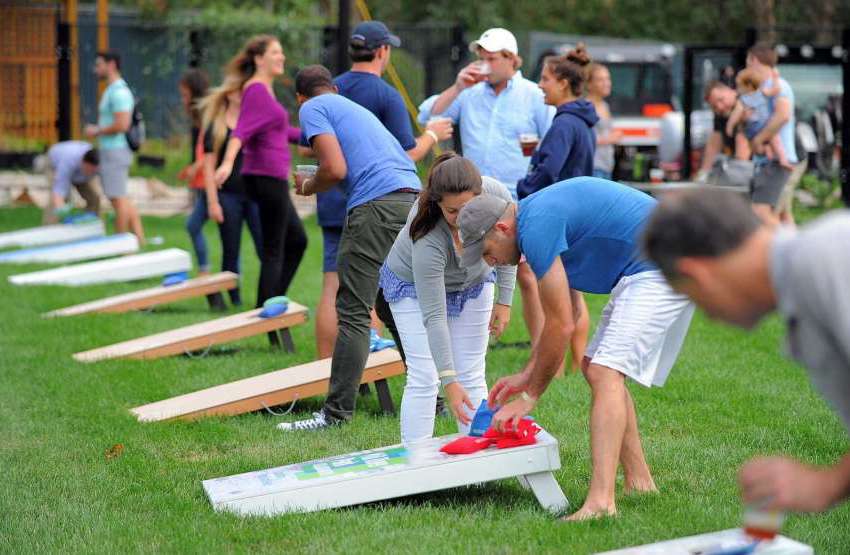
[768, 183]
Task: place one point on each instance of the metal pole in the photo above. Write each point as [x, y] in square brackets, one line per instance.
[63, 79]
[687, 108]
[343, 31]
[844, 172]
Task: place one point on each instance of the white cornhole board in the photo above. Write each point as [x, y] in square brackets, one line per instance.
[387, 473]
[154, 296]
[267, 390]
[51, 234]
[198, 336]
[120, 269]
[714, 541]
[87, 249]
[673, 186]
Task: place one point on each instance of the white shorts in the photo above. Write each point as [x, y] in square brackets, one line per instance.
[641, 329]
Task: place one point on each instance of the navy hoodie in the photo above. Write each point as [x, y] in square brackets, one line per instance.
[566, 151]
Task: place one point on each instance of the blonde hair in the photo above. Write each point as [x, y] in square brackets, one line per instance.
[748, 79]
[242, 65]
[213, 108]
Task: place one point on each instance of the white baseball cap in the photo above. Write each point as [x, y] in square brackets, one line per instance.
[495, 40]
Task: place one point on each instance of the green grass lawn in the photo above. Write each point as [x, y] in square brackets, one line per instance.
[731, 396]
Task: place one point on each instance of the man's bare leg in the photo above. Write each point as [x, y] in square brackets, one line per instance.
[532, 309]
[326, 316]
[608, 416]
[122, 219]
[636, 473]
[578, 341]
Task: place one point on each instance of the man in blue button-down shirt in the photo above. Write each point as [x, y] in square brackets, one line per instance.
[493, 107]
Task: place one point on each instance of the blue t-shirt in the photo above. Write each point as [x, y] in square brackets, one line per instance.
[786, 132]
[593, 224]
[377, 96]
[377, 165]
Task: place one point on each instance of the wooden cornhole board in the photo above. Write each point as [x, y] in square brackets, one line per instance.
[387, 473]
[716, 541]
[51, 234]
[123, 268]
[271, 389]
[201, 336]
[148, 298]
[77, 251]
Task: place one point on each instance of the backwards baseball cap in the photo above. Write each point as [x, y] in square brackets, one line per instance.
[475, 219]
[495, 40]
[373, 34]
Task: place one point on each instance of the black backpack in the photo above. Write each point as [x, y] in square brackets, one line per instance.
[135, 135]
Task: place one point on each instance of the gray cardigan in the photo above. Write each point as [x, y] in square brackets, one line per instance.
[433, 265]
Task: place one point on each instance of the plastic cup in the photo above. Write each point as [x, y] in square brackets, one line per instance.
[528, 142]
[762, 524]
[306, 170]
[484, 69]
[656, 175]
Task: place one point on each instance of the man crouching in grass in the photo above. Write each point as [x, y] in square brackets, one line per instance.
[711, 247]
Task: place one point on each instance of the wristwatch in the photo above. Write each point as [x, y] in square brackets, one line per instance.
[526, 397]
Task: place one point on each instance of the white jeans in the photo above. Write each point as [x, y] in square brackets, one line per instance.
[470, 334]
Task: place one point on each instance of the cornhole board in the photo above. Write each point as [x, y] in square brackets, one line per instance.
[201, 336]
[717, 541]
[673, 186]
[387, 473]
[148, 298]
[120, 269]
[51, 234]
[86, 249]
[271, 389]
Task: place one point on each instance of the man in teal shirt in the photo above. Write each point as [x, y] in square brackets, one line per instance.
[113, 121]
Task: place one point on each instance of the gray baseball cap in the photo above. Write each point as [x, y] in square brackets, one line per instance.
[475, 219]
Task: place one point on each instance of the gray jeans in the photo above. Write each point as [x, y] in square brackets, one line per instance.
[367, 236]
[114, 171]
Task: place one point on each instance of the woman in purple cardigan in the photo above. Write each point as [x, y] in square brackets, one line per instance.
[264, 134]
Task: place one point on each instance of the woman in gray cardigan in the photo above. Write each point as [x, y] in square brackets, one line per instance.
[444, 313]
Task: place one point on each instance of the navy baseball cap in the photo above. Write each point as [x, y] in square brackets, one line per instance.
[373, 34]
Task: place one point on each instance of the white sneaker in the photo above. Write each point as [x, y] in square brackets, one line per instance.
[318, 422]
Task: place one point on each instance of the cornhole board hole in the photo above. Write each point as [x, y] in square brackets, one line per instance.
[86, 249]
[387, 473]
[148, 298]
[717, 542]
[202, 336]
[271, 389]
[120, 269]
[51, 234]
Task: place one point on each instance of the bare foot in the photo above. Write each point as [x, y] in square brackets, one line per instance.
[640, 486]
[591, 513]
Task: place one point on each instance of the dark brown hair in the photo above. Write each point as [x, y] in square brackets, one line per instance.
[713, 84]
[110, 56]
[572, 67]
[312, 80]
[196, 82]
[451, 174]
[764, 53]
[242, 65]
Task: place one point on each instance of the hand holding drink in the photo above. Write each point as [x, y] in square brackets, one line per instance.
[473, 73]
[302, 174]
[528, 142]
[441, 126]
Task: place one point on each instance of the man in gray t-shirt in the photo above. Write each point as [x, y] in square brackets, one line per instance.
[711, 247]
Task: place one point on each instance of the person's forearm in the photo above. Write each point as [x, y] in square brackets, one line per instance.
[773, 126]
[712, 149]
[209, 181]
[424, 144]
[324, 180]
[233, 146]
[58, 200]
[547, 358]
[445, 100]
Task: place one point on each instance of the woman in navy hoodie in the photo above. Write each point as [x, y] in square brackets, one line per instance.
[567, 149]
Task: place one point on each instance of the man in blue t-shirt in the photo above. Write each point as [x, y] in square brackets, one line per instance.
[369, 48]
[583, 233]
[352, 144]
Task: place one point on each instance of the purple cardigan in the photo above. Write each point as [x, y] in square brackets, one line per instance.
[264, 130]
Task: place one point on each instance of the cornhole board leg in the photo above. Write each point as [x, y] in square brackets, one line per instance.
[286, 340]
[364, 390]
[386, 473]
[384, 397]
[547, 491]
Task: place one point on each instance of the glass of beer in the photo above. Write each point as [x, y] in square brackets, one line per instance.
[528, 142]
